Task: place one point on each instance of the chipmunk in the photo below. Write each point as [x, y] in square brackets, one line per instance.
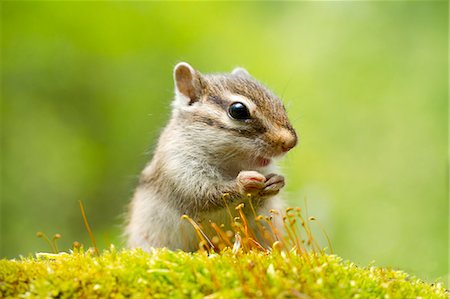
[223, 134]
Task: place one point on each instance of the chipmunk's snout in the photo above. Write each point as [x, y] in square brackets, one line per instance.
[287, 140]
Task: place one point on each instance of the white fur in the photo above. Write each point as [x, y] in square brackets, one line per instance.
[153, 223]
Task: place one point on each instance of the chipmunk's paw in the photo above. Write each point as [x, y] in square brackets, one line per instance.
[273, 184]
[250, 182]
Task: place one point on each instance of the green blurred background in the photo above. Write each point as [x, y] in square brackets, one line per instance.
[87, 88]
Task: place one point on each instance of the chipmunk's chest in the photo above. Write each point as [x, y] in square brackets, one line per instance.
[226, 217]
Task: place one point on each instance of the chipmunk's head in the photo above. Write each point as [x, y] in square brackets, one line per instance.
[232, 116]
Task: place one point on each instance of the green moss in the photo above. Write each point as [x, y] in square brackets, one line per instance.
[166, 274]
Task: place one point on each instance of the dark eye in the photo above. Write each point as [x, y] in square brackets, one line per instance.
[239, 111]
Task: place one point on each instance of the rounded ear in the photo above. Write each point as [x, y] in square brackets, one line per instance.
[240, 71]
[187, 82]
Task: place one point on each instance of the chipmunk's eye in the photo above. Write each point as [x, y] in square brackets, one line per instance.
[239, 111]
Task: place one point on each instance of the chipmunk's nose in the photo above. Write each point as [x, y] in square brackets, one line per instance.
[288, 140]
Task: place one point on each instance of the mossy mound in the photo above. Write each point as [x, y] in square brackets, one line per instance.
[167, 274]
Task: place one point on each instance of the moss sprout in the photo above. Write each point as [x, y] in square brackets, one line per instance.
[231, 264]
[167, 274]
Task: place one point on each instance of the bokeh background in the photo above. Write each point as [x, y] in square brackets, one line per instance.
[86, 89]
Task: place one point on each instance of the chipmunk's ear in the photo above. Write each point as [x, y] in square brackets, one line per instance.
[241, 72]
[188, 82]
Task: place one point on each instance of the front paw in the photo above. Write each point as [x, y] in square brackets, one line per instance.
[250, 182]
[272, 185]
